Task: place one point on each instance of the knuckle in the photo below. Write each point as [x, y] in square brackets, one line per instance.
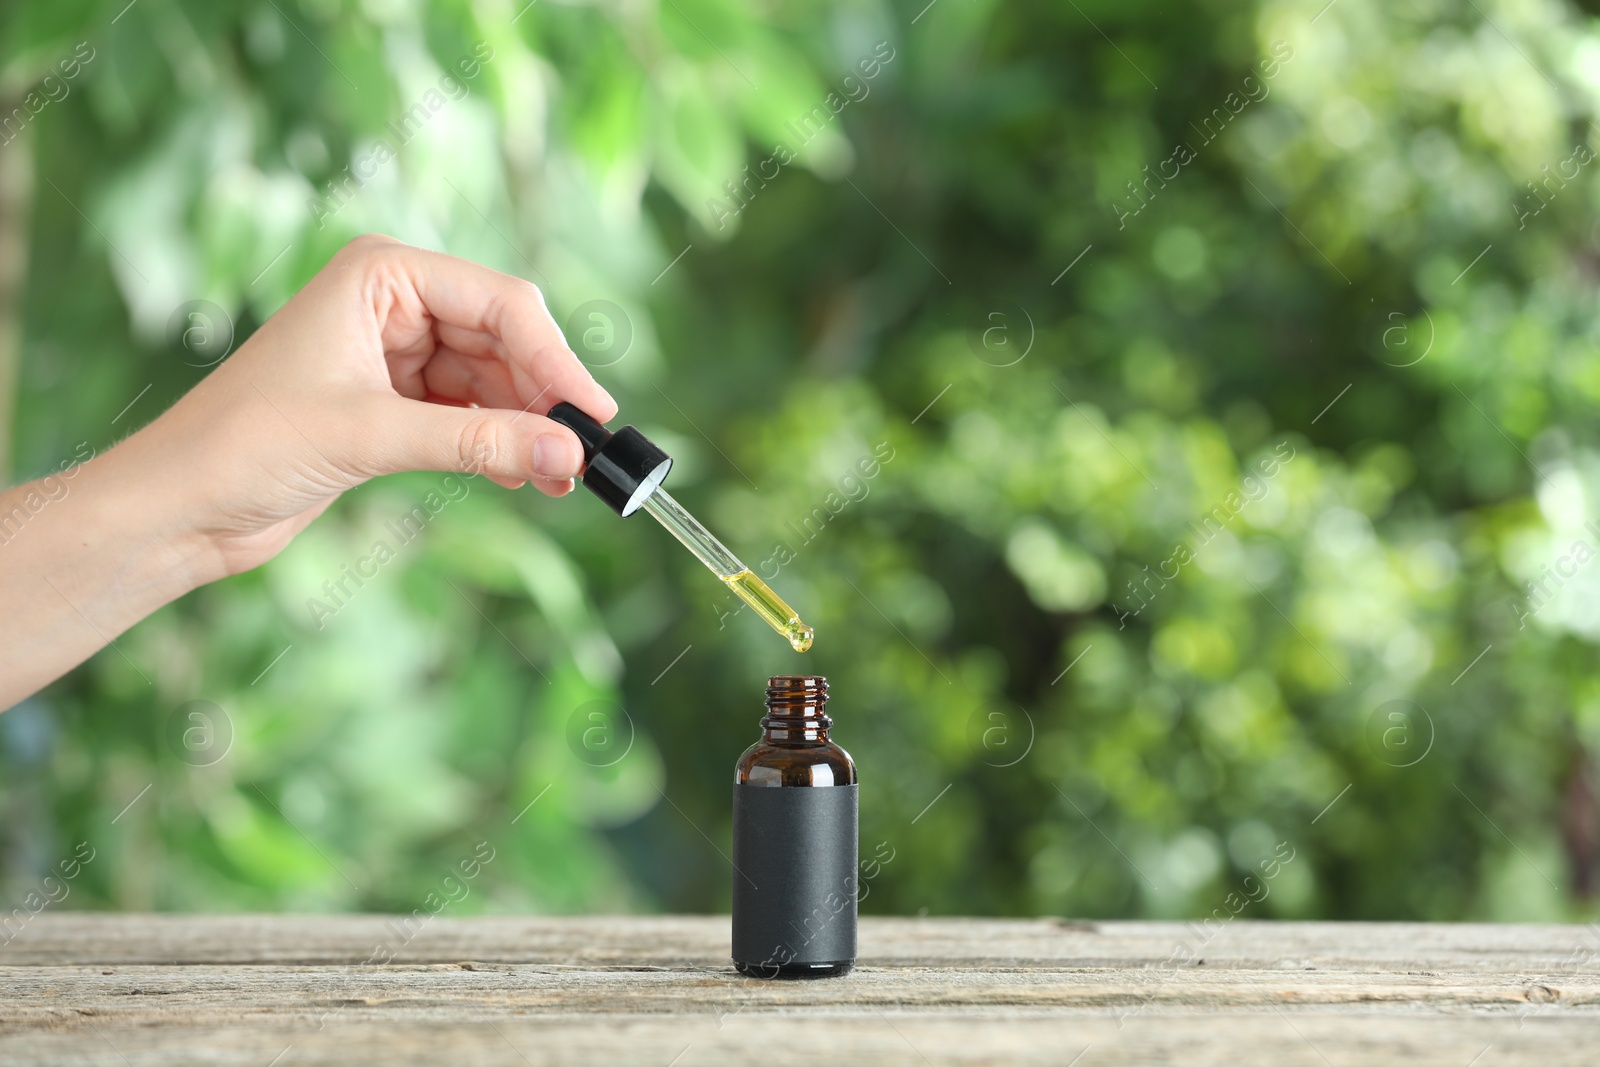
[481, 446]
[516, 297]
[368, 246]
[511, 302]
[530, 291]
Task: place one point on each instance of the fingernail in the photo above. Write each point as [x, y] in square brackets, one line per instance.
[556, 456]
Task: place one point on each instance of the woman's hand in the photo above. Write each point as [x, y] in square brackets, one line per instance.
[390, 359]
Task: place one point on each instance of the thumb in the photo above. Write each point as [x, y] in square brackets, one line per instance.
[506, 445]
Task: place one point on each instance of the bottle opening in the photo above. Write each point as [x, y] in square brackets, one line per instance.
[795, 707]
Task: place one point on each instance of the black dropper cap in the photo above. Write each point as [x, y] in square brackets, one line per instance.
[622, 468]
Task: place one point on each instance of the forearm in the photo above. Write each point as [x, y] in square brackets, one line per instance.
[84, 555]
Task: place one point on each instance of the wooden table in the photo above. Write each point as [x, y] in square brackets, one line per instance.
[294, 990]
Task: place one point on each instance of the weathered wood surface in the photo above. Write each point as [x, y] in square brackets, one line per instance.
[289, 990]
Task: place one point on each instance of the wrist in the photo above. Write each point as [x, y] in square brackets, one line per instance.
[138, 516]
[117, 546]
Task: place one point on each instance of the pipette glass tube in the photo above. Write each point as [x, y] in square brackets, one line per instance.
[625, 469]
[725, 565]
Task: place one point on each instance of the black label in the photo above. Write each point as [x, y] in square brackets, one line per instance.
[794, 874]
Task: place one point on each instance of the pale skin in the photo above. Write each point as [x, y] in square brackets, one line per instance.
[390, 359]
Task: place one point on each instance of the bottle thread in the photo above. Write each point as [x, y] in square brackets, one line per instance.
[797, 708]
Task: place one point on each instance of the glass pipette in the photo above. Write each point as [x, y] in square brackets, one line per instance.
[725, 565]
[626, 469]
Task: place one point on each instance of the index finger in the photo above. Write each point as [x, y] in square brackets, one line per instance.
[470, 296]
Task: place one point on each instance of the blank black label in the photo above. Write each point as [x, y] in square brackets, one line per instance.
[794, 876]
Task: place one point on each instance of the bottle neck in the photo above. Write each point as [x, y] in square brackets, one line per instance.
[796, 710]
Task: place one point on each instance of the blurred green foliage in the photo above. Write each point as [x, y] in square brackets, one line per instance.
[965, 266]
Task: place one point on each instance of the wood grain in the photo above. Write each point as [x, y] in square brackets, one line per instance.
[83, 988]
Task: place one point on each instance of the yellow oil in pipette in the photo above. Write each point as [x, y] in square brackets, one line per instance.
[726, 566]
[770, 606]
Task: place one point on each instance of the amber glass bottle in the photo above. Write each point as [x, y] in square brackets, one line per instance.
[794, 841]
